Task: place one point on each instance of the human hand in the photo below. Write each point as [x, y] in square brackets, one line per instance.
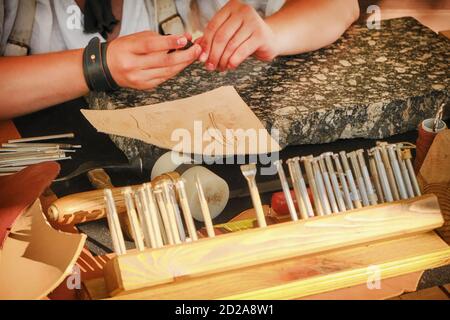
[141, 61]
[235, 33]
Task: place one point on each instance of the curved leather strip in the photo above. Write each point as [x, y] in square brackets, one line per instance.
[19, 191]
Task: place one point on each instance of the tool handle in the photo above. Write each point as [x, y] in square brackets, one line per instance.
[83, 207]
[100, 179]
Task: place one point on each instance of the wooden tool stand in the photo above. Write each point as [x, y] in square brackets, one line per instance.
[287, 260]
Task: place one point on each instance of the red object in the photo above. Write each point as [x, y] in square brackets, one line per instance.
[19, 191]
[279, 204]
[423, 144]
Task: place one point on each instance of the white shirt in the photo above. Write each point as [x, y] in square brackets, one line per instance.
[58, 23]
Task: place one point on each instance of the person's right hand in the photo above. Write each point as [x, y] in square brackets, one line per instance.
[141, 61]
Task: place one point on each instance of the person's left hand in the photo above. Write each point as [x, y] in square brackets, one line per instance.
[235, 33]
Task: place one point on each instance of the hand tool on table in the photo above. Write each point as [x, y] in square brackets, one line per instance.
[322, 193]
[287, 192]
[351, 181]
[375, 177]
[359, 178]
[173, 211]
[249, 172]
[44, 138]
[135, 165]
[217, 255]
[389, 171]
[133, 219]
[344, 184]
[397, 173]
[39, 146]
[307, 162]
[143, 211]
[114, 224]
[382, 174]
[148, 196]
[205, 209]
[404, 170]
[328, 187]
[366, 177]
[407, 156]
[301, 193]
[18, 154]
[334, 181]
[181, 189]
[170, 228]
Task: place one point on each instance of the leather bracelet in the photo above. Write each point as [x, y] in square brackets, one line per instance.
[112, 83]
[93, 69]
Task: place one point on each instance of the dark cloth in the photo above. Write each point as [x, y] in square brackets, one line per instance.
[98, 17]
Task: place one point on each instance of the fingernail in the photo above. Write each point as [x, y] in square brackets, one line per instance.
[182, 41]
[210, 67]
[203, 57]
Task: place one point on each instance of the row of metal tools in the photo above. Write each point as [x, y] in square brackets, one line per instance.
[344, 181]
[159, 212]
[17, 154]
[154, 212]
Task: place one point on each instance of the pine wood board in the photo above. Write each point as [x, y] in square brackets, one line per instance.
[263, 245]
[434, 177]
[303, 276]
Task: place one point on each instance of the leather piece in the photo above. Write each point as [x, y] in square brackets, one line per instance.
[19, 191]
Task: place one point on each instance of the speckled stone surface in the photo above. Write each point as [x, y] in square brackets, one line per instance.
[369, 84]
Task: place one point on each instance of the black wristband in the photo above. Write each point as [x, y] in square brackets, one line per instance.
[93, 67]
[112, 83]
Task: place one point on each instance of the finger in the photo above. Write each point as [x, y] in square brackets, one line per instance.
[211, 29]
[221, 39]
[163, 59]
[245, 50]
[242, 35]
[145, 43]
[188, 36]
[151, 84]
[199, 40]
[144, 76]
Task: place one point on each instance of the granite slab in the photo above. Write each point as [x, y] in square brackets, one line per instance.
[369, 84]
